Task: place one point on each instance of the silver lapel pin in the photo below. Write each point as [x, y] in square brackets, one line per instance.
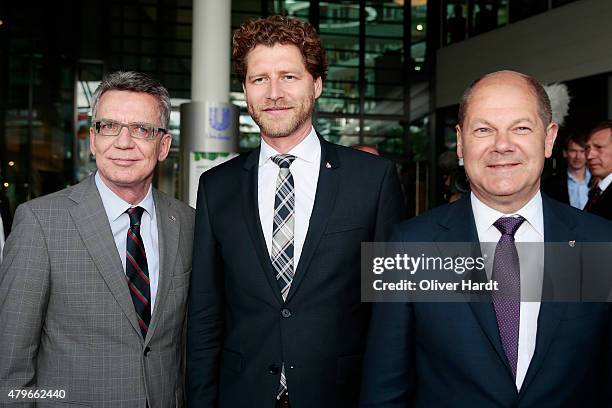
[327, 165]
[572, 243]
[172, 217]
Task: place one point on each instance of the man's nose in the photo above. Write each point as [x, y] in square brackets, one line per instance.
[503, 141]
[590, 154]
[124, 140]
[275, 90]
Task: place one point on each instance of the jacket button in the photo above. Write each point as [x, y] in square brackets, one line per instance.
[273, 369]
[147, 350]
[286, 312]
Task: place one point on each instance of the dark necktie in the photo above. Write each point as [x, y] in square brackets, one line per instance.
[137, 271]
[594, 195]
[283, 228]
[507, 299]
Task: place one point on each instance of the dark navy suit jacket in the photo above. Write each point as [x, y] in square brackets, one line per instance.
[240, 330]
[450, 354]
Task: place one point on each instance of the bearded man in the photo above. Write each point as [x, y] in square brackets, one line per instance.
[275, 317]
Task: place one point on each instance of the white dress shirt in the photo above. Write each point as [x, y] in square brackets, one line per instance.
[115, 208]
[605, 182]
[531, 261]
[305, 172]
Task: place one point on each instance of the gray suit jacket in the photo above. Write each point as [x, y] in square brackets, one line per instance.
[67, 320]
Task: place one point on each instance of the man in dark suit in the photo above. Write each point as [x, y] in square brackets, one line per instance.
[500, 352]
[571, 185]
[93, 286]
[599, 155]
[275, 317]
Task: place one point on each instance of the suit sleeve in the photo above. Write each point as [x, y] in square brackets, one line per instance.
[24, 293]
[388, 368]
[205, 311]
[390, 204]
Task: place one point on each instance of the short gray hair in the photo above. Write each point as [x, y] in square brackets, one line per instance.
[135, 82]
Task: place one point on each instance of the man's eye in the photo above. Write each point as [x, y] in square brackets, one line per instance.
[290, 77]
[141, 130]
[258, 80]
[108, 126]
[523, 129]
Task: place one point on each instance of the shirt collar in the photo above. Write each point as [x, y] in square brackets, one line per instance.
[605, 182]
[115, 206]
[305, 150]
[485, 216]
[587, 177]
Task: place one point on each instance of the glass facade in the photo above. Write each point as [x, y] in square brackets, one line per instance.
[461, 19]
[378, 90]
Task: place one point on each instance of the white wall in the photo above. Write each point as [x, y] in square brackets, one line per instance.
[568, 42]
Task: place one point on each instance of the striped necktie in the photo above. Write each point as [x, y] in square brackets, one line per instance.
[137, 271]
[282, 237]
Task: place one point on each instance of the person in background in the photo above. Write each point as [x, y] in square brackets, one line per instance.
[372, 149]
[1, 238]
[456, 25]
[599, 156]
[571, 186]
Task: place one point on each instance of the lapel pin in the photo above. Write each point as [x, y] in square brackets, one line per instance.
[572, 243]
[328, 165]
[172, 218]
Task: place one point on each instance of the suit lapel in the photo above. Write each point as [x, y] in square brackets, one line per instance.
[250, 208]
[168, 227]
[461, 227]
[325, 199]
[556, 229]
[92, 224]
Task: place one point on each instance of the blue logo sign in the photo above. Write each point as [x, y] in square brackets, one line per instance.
[219, 118]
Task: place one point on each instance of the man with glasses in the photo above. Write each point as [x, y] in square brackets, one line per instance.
[94, 282]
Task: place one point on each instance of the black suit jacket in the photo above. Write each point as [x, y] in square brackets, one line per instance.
[239, 329]
[603, 208]
[450, 354]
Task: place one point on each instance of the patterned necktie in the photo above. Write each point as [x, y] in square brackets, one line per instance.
[137, 271]
[507, 299]
[282, 237]
[594, 195]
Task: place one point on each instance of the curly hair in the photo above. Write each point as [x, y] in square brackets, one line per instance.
[279, 30]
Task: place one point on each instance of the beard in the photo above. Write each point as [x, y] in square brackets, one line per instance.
[295, 119]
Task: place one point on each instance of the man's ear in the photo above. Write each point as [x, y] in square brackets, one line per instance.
[164, 147]
[92, 141]
[318, 87]
[459, 142]
[549, 140]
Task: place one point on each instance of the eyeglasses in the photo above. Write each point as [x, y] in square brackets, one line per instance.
[106, 127]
